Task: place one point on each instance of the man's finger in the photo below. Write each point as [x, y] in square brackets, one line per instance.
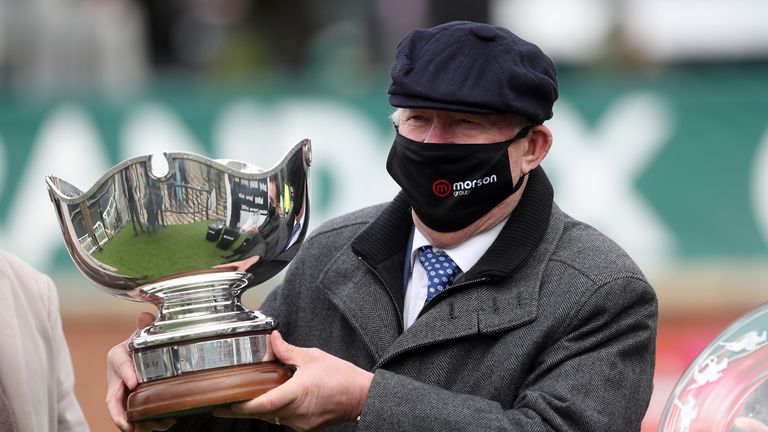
[121, 366]
[144, 319]
[115, 401]
[270, 403]
[284, 351]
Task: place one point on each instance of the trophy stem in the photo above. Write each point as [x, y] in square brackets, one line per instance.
[199, 306]
[196, 295]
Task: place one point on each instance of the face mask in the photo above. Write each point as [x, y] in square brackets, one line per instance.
[452, 185]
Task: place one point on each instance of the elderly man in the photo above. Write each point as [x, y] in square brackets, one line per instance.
[471, 301]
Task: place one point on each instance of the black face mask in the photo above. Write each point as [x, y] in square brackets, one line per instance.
[450, 186]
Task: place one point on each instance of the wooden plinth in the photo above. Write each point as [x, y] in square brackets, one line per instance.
[202, 391]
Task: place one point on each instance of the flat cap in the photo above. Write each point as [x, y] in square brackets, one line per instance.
[476, 68]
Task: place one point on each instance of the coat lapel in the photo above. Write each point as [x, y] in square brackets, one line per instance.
[364, 301]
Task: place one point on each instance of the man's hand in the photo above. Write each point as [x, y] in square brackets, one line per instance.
[121, 380]
[324, 390]
[746, 424]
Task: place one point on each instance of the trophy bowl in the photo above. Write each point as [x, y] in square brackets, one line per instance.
[190, 239]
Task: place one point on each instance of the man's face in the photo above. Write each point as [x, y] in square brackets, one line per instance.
[446, 128]
[435, 126]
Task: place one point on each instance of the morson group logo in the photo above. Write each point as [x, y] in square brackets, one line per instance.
[443, 188]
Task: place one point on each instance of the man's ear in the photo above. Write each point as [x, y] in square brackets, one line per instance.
[539, 142]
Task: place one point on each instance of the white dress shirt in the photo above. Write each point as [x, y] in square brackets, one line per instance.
[465, 255]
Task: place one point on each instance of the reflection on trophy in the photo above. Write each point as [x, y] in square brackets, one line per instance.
[191, 240]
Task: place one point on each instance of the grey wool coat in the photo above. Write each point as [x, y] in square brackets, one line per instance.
[552, 330]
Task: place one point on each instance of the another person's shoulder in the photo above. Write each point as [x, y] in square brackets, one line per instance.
[13, 268]
[17, 272]
[23, 284]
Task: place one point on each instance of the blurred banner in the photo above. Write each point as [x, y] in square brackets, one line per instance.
[673, 166]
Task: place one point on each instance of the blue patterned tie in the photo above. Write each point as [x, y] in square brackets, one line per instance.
[296, 228]
[294, 231]
[440, 268]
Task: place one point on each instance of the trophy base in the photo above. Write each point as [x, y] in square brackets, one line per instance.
[202, 391]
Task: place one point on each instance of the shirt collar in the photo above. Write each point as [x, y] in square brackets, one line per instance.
[466, 254]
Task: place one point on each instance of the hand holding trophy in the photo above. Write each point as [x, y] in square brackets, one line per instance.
[190, 241]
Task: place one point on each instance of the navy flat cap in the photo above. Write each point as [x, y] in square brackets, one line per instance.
[476, 68]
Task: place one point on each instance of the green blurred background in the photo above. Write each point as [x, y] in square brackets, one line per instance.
[661, 130]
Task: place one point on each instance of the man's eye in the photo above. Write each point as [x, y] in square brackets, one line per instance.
[416, 120]
[468, 122]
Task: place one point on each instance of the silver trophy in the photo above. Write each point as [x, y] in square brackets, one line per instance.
[191, 240]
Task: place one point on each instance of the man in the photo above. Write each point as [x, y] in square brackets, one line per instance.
[36, 377]
[547, 326]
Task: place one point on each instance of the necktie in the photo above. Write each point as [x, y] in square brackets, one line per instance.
[296, 229]
[440, 268]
